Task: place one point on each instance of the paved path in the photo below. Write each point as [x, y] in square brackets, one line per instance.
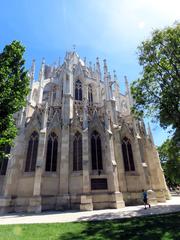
[172, 205]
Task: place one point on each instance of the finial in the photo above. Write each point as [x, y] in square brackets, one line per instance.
[94, 67]
[84, 60]
[74, 47]
[33, 65]
[43, 60]
[59, 61]
[127, 84]
[90, 64]
[126, 80]
[97, 65]
[105, 67]
[115, 76]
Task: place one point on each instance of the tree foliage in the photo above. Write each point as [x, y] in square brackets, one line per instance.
[14, 87]
[169, 154]
[157, 91]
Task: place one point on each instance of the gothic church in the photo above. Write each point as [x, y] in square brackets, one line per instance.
[78, 146]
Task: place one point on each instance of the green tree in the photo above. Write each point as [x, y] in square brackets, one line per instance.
[157, 91]
[14, 87]
[169, 155]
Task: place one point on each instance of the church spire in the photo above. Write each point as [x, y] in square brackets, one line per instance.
[114, 75]
[126, 84]
[41, 73]
[106, 80]
[128, 92]
[105, 67]
[33, 69]
[98, 69]
[41, 78]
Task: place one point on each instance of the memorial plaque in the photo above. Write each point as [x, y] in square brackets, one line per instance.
[99, 184]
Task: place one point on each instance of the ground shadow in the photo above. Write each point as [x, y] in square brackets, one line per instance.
[154, 227]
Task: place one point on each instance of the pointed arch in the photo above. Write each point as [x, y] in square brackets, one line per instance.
[77, 152]
[127, 155]
[51, 154]
[78, 90]
[32, 152]
[96, 151]
[90, 94]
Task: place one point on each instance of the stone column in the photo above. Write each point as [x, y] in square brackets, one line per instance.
[86, 198]
[7, 201]
[35, 204]
[119, 160]
[116, 198]
[63, 200]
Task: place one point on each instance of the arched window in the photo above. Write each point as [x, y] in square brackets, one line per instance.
[96, 151]
[78, 90]
[32, 152]
[127, 155]
[90, 94]
[51, 156]
[77, 152]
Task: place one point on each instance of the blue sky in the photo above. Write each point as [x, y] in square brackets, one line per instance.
[110, 29]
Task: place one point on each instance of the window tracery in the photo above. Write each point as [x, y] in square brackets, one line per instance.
[77, 152]
[32, 152]
[51, 155]
[127, 155]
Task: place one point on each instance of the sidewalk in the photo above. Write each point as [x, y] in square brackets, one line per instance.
[172, 205]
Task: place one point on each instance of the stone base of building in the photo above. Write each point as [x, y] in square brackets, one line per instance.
[63, 202]
[83, 202]
[86, 203]
[132, 198]
[107, 200]
[152, 197]
[167, 194]
[35, 204]
[135, 198]
[160, 195]
[6, 205]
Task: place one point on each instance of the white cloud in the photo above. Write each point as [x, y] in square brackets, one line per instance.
[141, 24]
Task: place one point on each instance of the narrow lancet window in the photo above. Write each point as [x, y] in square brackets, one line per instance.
[78, 90]
[77, 152]
[32, 152]
[90, 94]
[51, 155]
[96, 151]
[127, 155]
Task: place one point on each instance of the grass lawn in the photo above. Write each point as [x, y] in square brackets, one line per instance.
[166, 226]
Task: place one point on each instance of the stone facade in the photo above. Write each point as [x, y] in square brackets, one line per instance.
[74, 100]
